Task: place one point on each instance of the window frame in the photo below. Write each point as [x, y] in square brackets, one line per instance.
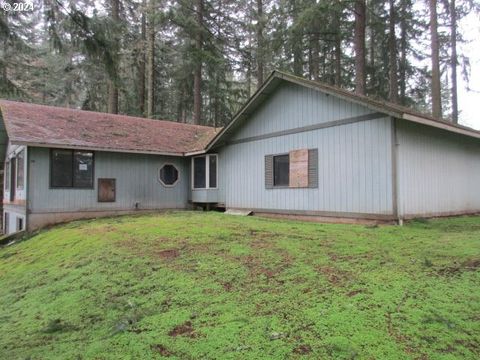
[207, 172]
[160, 178]
[17, 172]
[73, 187]
[7, 174]
[273, 171]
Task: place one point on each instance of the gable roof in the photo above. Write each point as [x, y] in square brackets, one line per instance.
[390, 109]
[49, 126]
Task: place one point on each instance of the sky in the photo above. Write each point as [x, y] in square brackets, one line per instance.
[469, 101]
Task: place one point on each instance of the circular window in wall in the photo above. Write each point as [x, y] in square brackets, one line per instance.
[168, 175]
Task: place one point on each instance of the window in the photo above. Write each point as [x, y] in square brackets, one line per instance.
[212, 181]
[281, 170]
[71, 169]
[7, 176]
[6, 223]
[19, 223]
[205, 172]
[20, 169]
[168, 175]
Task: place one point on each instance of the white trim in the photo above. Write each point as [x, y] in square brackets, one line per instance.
[207, 172]
[160, 179]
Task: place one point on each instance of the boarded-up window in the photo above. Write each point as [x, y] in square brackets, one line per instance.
[20, 169]
[297, 169]
[106, 190]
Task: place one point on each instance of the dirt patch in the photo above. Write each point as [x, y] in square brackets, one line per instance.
[302, 350]
[334, 275]
[162, 350]
[469, 265]
[355, 292]
[185, 329]
[168, 254]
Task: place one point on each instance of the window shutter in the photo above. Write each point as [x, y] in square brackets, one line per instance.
[313, 168]
[268, 171]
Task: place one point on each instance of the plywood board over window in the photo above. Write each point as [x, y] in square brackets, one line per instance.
[298, 168]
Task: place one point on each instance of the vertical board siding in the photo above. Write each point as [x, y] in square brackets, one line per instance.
[293, 106]
[354, 170]
[136, 182]
[438, 172]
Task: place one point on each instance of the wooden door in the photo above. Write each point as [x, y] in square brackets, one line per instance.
[106, 190]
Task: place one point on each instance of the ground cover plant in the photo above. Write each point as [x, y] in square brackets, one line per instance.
[194, 285]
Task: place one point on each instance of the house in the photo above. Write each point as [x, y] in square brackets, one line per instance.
[296, 147]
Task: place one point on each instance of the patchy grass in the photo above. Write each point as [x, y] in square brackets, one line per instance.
[190, 285]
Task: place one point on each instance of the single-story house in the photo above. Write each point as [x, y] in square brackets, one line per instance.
[296, 147]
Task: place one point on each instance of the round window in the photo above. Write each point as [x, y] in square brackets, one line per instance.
[168, 175]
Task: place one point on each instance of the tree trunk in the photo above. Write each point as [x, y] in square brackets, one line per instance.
[112, 81]
[197, 76]
[359, 45]
[338, 50]
[151, 62]
[392, 50]
[453, 61]
[297, 41]
[315, 53]
[403, 52]
[141, 65]
[260, 43]
[436, 89]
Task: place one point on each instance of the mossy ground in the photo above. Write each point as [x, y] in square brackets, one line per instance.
[192, 285]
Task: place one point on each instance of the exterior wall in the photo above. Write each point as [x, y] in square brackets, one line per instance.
[293, 106]
[355, 159]
[438, 172]
[137, 183]
[17, 209]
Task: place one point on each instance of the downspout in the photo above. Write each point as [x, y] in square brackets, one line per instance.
[395, 193]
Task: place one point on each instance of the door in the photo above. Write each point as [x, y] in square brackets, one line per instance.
[13, 178]
[106, 190]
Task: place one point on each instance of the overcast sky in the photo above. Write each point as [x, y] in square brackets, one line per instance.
[469, 101]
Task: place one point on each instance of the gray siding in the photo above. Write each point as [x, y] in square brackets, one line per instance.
[136, 181]
[438, 172]
[354, 167]
[293, 106]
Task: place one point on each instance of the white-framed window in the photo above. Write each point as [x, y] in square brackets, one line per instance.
[205, 171]
[168, 175]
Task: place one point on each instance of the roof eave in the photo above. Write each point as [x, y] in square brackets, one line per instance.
[95, 148]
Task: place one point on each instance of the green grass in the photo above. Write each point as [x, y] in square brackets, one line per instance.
[192, 285]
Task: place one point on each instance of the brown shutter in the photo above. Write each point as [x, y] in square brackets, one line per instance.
[298, 168]
[313, 168]
[268, 171]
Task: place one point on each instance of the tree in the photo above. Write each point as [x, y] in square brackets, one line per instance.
[151, 60]
[392, 50]
[260, 43]
[435, 58]
[197, 77]
[453, 59]
[359, 45]
[113, 80]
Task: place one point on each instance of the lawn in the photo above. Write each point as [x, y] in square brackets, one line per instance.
[192, 285]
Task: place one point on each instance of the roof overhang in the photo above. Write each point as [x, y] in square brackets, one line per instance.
[94, 148]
